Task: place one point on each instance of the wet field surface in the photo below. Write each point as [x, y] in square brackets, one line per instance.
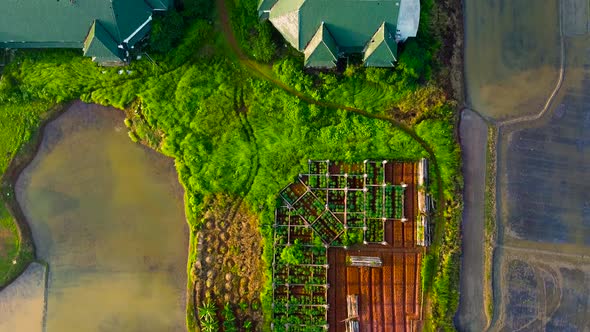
[107, 216]
[548, 187]
[544, 180]
[511, 55]
[22, 302]
[544, 193]
[541, 275]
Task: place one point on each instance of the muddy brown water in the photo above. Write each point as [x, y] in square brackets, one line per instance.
[107, 215]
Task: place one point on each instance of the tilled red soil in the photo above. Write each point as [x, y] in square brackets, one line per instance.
[389, 296]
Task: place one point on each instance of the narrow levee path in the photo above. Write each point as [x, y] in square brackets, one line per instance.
[473, 137]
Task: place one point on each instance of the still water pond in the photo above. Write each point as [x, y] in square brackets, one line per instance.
[107, 215]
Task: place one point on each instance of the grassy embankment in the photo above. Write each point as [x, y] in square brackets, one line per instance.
[231, 132]
[19, 123]
[490, 221]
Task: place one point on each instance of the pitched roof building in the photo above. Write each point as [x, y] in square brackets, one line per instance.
[104, 29]
[324, 30]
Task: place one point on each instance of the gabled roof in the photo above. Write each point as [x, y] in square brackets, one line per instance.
[351, 22]
[322, 51]
[100, 44]
[381, 50]
[66, 23]
[285, 17]
[351, 25]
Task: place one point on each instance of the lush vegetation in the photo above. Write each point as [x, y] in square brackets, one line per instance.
[232, 132]
[18, 122]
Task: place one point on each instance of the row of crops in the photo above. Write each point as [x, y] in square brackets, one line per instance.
[324, 174]
[300, 280]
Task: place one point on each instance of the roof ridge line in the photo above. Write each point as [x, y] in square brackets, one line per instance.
[149, 4]
[385, 37]
[97, 21]
[323, 41]
[112, 11]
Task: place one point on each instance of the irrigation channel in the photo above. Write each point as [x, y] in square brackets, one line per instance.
[107, 216]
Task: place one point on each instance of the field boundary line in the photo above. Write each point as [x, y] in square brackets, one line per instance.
[544, 252]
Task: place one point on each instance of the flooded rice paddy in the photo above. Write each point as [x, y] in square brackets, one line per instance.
[541, 274]
[23, 301]
[107, 216]
[511, 55]
[544, 209]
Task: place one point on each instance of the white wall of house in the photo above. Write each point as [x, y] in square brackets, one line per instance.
[408, 19]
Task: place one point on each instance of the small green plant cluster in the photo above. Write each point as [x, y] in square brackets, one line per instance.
[353, 236]
[229, 319]
[292, 253]
[208, 317]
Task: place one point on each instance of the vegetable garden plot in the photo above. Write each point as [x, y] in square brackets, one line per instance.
[355, 220]
[336, 200]
[348, 209]
[337, 182]
[355, 182]
[375, 231]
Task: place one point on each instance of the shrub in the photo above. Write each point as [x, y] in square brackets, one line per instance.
[167, 31]
[292, 254]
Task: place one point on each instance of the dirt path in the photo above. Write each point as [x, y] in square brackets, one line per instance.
[473, 138]
[22, 303]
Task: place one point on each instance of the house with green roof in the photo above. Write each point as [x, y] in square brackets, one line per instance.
[325, 30]
[105, 30]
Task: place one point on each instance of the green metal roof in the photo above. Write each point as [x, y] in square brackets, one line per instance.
[66, 23]
[100, 44]
[264, 7]
[351, 22]
[381, 50]
[322, 51]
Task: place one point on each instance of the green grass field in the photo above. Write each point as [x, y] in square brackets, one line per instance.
[18, 123]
